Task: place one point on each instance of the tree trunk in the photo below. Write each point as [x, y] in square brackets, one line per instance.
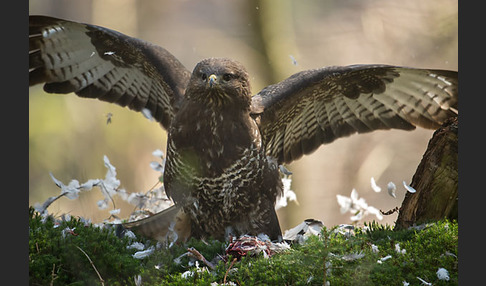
[435, 181]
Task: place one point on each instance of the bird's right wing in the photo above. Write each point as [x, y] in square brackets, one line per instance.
[96, 62]
[316, 107]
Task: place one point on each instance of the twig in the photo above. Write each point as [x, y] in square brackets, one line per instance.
[104, 190]
[196, 254]
[53, 274]
[50, 200]
[153, 187]
[325, 272]
[227, 271]
[92, 264]
[326, 235]
[146, 194]
[394, 210]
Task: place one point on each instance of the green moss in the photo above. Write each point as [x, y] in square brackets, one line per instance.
[55, 257]
[334, 257]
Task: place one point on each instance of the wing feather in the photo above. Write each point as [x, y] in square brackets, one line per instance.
[316, 107]
[96, 62]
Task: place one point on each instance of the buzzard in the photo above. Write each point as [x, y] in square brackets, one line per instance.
[225, 145]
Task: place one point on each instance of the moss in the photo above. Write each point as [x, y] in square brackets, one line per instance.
[55, 257]
[335, 257]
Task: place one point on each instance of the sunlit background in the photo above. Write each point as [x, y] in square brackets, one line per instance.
[68, 136]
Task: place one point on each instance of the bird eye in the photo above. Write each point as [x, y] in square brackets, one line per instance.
[204, 76]
[227, 77]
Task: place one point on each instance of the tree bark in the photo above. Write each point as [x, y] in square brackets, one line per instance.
[435, 181]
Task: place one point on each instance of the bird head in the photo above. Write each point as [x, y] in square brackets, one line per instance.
[220, 82]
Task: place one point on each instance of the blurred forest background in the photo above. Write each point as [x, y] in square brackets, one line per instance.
[68, 136]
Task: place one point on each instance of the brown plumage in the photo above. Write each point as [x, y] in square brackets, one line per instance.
[224, 144]
[216, 166]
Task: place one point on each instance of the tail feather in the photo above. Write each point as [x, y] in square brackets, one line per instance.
[163, 225]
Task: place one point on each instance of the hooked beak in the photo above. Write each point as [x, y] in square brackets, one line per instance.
[212, 80]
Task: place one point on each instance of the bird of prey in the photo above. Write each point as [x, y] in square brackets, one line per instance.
[225, 144]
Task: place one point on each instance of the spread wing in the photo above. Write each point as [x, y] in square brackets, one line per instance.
[96, 62]
[316, 107]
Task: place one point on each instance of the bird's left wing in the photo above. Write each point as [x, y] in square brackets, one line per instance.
[96, 62]
[316, 107]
